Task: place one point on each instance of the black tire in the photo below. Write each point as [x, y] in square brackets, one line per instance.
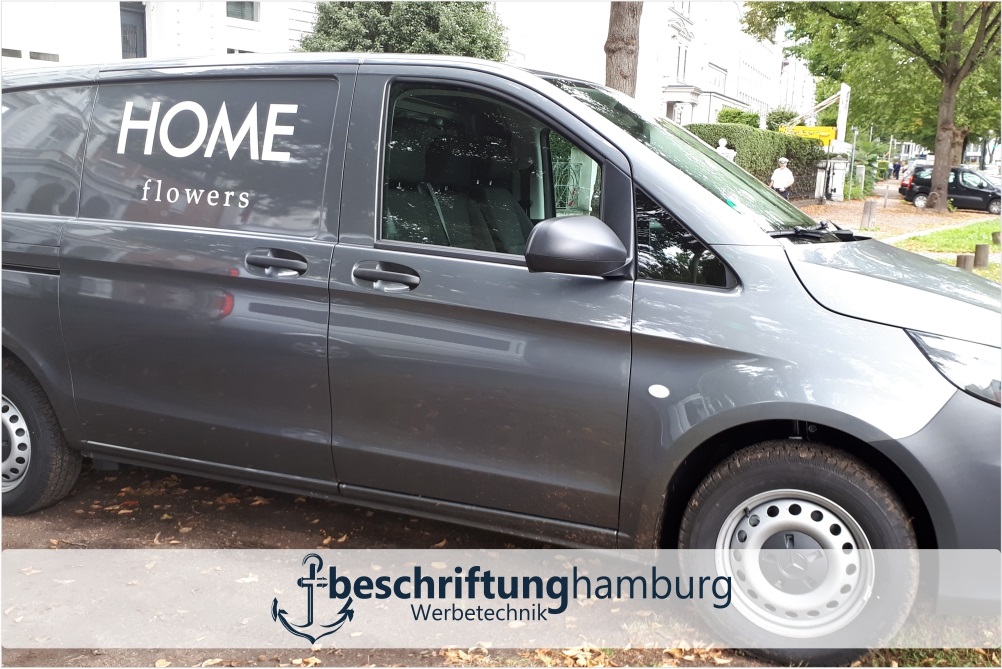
[52, 467]
[789, 472]
[920, 200]
[995, 206]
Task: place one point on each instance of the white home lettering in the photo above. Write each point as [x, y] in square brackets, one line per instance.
[248, 130]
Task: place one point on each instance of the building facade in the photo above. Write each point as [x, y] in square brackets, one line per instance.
[37, 34]
[694, 57]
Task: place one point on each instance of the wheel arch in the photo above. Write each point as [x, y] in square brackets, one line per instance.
[59, 397]
[701, 461]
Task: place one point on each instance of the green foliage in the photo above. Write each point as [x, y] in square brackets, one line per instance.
[449, 28]
[883, 169]
[759, 150]
[732, 115]
[896, 58]
[954, 240]
[778, 117]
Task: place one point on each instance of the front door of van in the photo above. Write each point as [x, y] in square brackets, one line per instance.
[456, 374]
[193, 292]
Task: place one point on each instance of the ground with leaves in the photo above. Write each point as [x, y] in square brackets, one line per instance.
[144, 508]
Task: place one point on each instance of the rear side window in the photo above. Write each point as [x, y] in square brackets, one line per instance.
[232, 154]
[44, 132]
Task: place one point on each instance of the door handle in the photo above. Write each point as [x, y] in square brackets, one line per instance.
[373, 274]
[283, 265]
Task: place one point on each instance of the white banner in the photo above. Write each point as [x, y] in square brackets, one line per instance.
[504, 599]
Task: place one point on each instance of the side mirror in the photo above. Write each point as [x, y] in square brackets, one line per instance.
[575, 245]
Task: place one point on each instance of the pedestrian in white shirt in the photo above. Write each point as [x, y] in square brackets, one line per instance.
[782, 179]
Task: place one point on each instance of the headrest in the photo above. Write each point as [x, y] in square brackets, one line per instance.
[496, 164]
[405, 160]
[450, 160]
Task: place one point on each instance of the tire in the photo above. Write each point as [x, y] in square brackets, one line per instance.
[920, 200]
[995, 207]
[780, 493]
[39, 468]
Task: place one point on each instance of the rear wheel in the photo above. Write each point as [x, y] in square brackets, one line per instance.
[794, 525]
[995, 207]
[921, 200]
[39, 468]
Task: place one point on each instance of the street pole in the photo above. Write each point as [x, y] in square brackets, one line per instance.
[852, 159]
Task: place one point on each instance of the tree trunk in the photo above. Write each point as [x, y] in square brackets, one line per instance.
[944, 146]
[622, 47]
[959, 145]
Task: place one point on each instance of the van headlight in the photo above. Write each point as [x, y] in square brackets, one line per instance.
[974, 368]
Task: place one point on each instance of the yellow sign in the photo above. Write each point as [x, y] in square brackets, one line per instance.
[823, 133]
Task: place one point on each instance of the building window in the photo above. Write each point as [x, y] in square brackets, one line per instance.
[246, 11]
[133, 19]
[237, 51]
[38, 55]
[717, 77]
[11, 53]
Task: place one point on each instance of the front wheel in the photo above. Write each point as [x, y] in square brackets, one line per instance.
[995, 207]
[921, 200]
[39, 468]
[795, 526]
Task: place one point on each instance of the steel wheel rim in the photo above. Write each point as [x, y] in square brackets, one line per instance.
[834, 574]
[920, 201]
[995, 207]
[16, 445]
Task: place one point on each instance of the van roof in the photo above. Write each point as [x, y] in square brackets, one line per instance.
[146, 67]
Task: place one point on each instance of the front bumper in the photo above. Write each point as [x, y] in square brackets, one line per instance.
[956, 466]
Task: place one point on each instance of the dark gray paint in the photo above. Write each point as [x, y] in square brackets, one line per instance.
[542, 357]
[194, 354]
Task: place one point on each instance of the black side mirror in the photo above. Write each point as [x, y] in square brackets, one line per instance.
[575, 245]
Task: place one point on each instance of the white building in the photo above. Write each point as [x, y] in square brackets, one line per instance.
[35, 34]
[694, 58]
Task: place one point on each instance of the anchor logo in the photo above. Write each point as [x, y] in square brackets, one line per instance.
[308, 630]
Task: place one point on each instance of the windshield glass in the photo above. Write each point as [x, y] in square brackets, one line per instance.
[730, 183]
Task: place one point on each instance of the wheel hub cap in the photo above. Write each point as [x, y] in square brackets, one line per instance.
[16, 445]
[800, 562]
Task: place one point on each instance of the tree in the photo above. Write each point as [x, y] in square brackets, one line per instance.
[622, 46]
[950, 39]
[450, 28]
[778, 118]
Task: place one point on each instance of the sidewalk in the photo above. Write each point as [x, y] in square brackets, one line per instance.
[894, 220]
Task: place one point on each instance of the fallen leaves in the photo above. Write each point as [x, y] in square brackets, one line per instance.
[305, 662]
[161, 663]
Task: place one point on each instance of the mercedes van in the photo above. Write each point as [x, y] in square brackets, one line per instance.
[465, 291]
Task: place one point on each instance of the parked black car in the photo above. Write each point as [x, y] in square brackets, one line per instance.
[967, 189]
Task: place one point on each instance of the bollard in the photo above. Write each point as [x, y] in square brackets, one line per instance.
[867, 221]
[981, 255]
[995, 238]
[965, 261]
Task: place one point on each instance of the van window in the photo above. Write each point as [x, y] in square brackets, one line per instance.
[236, 154]
[723, 179]
[44, 132]
[667, 251]
[465, 170]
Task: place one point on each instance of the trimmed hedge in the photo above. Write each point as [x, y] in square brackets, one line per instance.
[732, 115]
[760, 150]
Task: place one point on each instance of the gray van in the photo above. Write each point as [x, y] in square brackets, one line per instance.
[465, 291]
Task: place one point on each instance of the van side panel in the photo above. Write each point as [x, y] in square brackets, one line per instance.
[44, 133]
[194, 293]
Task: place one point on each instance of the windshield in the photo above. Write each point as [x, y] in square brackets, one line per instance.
[728, 182]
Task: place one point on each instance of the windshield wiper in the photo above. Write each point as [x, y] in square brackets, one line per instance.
[820, 231]
[812, 233]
